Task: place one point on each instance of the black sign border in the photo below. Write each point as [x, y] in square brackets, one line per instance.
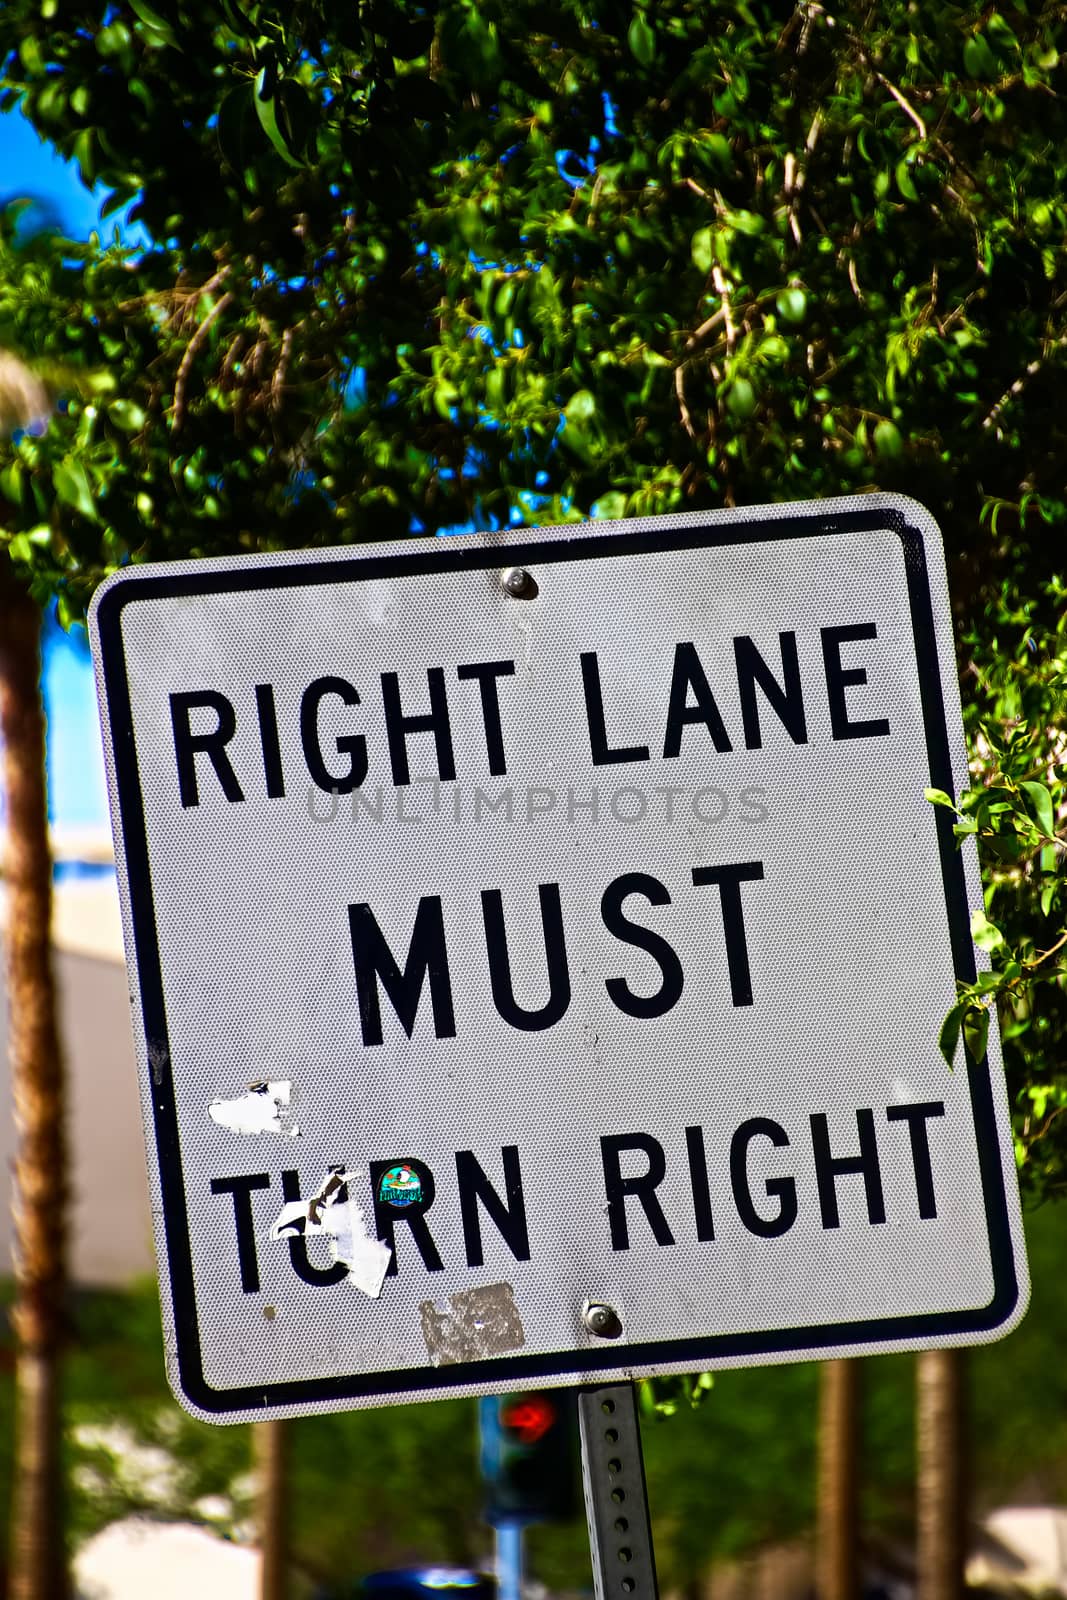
[441, 556]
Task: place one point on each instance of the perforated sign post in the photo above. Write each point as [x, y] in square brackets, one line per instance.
[538, 945]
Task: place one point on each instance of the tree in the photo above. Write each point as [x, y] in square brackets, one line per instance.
[837, 1531]
[941, 1515]
[657, 266]
[271, 1445]
[38, 1564]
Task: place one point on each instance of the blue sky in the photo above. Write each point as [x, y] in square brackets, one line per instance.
[29, 167]
[77, 792]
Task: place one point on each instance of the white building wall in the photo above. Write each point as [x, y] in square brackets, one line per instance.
[111, 1229]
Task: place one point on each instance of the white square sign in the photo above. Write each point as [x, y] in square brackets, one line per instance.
[538, 944]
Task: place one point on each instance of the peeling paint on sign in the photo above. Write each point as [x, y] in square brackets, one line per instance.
[264, 1109]
[331, 1211]
[479, 1322]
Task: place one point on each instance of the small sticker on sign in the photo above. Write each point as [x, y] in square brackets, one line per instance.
[400, 1186]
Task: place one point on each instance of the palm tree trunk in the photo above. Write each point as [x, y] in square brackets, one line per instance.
[272, 1461]
[836, 1553]
[942, 1476]
[38, 1554]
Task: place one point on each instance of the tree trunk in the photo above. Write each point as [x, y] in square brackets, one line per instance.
[941, 1513]
[836, 1554]
[38, 1555]
[272, 1461]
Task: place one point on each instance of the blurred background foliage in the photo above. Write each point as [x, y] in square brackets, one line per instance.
[418, 266]
[375, 1489]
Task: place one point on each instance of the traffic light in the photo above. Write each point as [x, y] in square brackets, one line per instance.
[529, 1446]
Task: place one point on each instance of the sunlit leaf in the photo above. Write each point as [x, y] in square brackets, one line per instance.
[1041, 803]
[72, 486]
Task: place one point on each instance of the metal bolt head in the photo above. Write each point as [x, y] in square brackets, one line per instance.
[601, 1320]
[516, 580]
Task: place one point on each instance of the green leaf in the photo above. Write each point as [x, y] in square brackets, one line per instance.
[32, 59]
[581, 407]
[741, 400]
[445, 397]
[792, 306]
[83, 151]
[905, 182]
[115, 202]
[231, 131]
[976, 1031]
[938, 797]
[496, 391]
[267, 108]
[641, 39]
[12, 479]
[128, 416]
[887, 441]
[986, 935]
[610, 506]
[702, 251]
[773, 350]
[717, 148]
[949, 1037]
[978, 60]
[1001, 34]
[296, 117]
[72, 486]
[1041, 802]
[154, 22]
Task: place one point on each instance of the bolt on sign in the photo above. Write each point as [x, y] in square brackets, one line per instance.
[538, 944]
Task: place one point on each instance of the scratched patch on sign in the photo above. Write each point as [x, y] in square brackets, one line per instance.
[479, 1322]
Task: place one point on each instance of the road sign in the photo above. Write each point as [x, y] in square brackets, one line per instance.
[538, 944]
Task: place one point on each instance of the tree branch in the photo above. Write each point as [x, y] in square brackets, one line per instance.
[181, 382]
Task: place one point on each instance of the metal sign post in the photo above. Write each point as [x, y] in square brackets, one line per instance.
[509, 1563]
[616, 1496]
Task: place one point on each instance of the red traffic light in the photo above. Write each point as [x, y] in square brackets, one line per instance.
[529, 1417]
